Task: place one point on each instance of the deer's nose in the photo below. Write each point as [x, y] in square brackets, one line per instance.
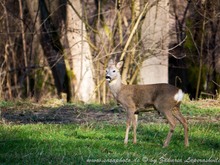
[108, 78]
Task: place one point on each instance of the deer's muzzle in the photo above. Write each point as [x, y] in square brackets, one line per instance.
[108, 78]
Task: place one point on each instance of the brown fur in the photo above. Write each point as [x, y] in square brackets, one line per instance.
[134, 97]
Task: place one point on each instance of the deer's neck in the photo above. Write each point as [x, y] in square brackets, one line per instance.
[115, 86]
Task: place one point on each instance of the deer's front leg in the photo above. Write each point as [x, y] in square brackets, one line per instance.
[128, 125]
[135, 119]
[131, 119]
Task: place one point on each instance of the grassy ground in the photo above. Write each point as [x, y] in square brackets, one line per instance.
[98, 138]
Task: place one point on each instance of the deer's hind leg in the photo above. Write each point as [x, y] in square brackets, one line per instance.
[172, 122]
[178, 115]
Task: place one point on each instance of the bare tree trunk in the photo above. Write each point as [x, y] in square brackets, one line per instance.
[24, 48]
[8, 79]
[201, 52]
[135, 11]
[52, 47]
[6, 55]
[80, 52]
[53, 50]
[213, 45]
[155, 39]
[40, 76]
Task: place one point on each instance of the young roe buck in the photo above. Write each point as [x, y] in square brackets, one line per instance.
[165, 98]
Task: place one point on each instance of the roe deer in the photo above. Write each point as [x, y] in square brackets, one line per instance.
[165, 98]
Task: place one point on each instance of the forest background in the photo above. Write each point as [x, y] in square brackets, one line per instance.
[53, 47]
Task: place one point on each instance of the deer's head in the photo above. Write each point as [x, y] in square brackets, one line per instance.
[113, 71]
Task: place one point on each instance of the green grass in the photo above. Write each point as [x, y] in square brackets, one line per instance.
[80, 144]
[102, 142]
[194, 110]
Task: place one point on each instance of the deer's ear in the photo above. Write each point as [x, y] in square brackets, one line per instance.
[119, 64]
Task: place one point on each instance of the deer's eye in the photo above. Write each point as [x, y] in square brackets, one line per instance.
[113, 71]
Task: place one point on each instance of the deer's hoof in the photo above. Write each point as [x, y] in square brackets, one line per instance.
[165, 145]
[186, 145]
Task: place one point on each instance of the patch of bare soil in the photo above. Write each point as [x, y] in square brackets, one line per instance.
[69, 114]
[54, 115]
[73, 114]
